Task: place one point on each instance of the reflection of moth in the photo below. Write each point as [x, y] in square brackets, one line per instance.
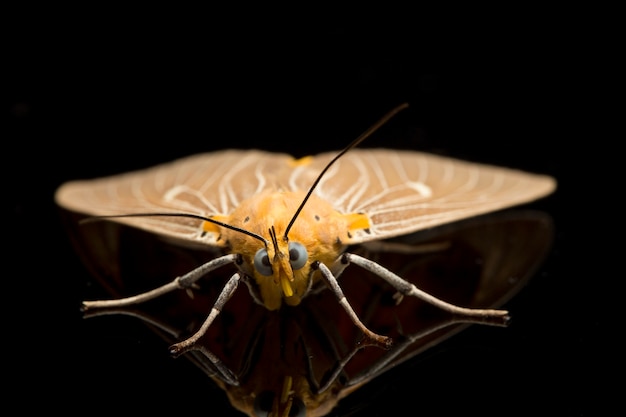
[253, 207]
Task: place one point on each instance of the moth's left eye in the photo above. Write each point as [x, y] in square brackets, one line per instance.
[297, 255]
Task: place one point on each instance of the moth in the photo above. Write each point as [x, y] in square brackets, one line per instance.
[287, 225]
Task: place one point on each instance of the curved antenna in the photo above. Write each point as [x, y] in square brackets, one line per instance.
[354, 143]
[188, 215]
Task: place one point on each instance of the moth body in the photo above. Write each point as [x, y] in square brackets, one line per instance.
[285, 274]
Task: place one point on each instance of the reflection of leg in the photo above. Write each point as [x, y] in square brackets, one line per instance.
[407, 341]
[215, 366]
[330, 377]
[186, 281]
[377, 367]
[225, 295]
[146, 318]
[225, 374]
[486, 316]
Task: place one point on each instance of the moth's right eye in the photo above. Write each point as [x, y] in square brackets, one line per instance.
[262, 262]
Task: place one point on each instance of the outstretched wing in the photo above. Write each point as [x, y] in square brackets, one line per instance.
[400, 191]
[405, 191]
[203, 184]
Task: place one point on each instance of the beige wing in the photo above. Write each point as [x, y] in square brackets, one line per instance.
[204, 184]
[406, 191]
[401, 191]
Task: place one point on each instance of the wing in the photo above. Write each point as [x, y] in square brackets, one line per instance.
[405, 191]
[400, 191]
[203, 184]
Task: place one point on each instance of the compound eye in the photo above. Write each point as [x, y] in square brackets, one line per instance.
[297, 255]
[262, 262]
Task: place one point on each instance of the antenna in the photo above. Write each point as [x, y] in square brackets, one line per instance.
[354, 143]
[188, 215]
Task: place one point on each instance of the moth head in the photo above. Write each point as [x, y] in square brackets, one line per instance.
[280, 260]
[278, 265]
[278, 250]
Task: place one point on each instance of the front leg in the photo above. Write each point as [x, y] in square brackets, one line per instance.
[331, 280]
[226, 294]
[184, 282]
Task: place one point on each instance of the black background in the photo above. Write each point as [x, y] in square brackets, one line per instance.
[96, 92]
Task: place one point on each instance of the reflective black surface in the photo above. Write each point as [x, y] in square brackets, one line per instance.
[315, 348]
[94, 98]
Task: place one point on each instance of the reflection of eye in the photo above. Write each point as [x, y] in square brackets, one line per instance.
[262, 262]
[297, 408]
[264, 401]
[297, 255]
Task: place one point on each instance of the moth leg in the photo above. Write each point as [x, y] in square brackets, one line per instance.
[489, 316]
[227, 292]
[381, 246]
[183, 282]
[380, 340]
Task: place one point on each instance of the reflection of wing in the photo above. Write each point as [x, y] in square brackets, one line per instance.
[401, 191]
[487, 261]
